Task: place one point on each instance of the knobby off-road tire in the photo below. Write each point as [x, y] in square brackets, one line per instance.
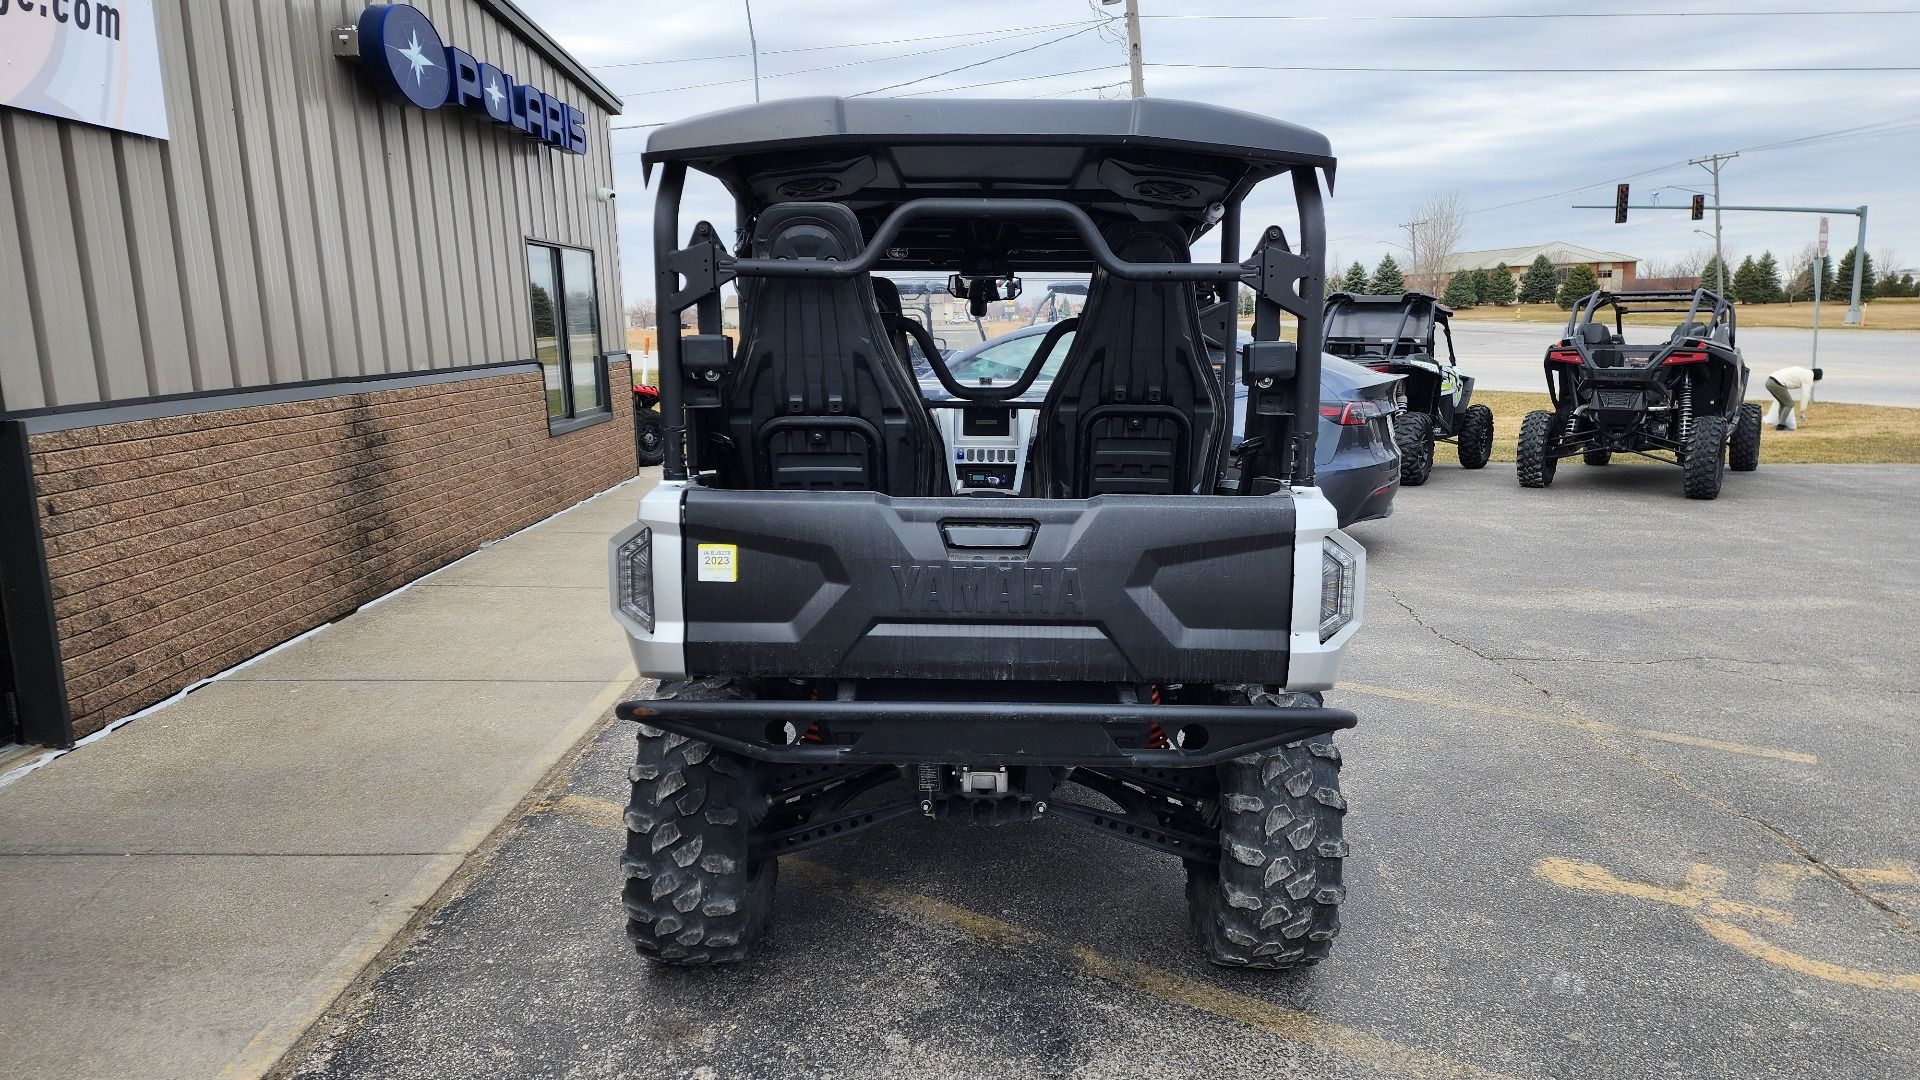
[692, 894]
[1413, 433]
[1475, 441]
[1531, 462]
[1273, 901]
[1706, 462]
[1743, 448]
[650, 432]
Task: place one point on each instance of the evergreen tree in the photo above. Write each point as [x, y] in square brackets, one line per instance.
[1711, 276]
[1482, 285]
[1499, 285]
[1460, 292]
[1356, 280]
[1387, 279]
[1537, 285]
[1245, 302]
[1746, 282]
[1580, 282]
[1769, 278]
[1843, 276]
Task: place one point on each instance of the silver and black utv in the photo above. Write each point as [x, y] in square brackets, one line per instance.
[1680, 401]
[1123, 643]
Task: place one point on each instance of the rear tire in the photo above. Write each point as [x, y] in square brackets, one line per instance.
[650, 436]
[1706, 457]
[1413, 432]
[1532, 460]
[1743, 451]
[1273, 901]
[1475, 441]
[693, 895]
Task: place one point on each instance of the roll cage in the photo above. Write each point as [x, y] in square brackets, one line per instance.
[1420, 314]
[901, 170]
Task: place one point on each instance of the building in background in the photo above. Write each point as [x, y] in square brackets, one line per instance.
[301, 301]
[1614, 270]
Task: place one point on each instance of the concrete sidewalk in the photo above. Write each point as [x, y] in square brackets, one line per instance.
[184, 896]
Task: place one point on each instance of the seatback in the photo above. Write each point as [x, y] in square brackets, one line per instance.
[1134, 408]
[1599, 341]
[818, 399]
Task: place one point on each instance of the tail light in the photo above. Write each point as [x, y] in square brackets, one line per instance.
[1564, 356]
[1351, 413]
[1693, 356]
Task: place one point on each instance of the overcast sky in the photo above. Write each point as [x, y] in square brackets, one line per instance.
[1401, 135]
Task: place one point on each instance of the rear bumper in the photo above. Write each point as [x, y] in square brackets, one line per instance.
[986, 733]
[1360, 491]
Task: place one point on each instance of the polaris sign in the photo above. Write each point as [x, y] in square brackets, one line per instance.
[402, 54]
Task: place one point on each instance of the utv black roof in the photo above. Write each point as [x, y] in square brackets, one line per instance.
[1394, 300]
[1149, 159]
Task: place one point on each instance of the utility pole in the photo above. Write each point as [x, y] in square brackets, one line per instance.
[1713, 163]
[753, 44]
[1413, 249]
[1133, 46]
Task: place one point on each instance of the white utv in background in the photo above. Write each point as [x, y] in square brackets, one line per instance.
[841, 640]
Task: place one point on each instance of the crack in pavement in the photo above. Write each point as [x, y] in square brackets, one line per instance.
[1599, 732]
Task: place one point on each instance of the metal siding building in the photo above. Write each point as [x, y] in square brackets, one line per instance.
[284, 360]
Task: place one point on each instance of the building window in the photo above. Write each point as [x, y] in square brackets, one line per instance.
[1605, 274]
[566, 334]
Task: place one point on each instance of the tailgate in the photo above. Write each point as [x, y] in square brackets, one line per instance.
[1116, 588]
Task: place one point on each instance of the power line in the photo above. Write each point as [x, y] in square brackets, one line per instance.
[985, 35]
[840, 66]
[979, 63]
[1019, 79]
[1540, 15]
[1538, 70]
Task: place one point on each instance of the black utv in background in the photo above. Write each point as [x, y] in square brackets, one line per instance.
[1399, 334]
[1119, 641]
[1678, 401]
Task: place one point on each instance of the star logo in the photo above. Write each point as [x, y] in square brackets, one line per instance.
[415, 57]
[493, 93]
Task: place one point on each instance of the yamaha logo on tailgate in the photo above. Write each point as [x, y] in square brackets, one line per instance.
[989, 589]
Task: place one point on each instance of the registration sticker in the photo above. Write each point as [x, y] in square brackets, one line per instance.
[719, 562]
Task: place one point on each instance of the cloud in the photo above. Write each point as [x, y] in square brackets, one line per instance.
[1401, 134]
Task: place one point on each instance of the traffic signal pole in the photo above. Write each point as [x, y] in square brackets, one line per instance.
[1854, 313]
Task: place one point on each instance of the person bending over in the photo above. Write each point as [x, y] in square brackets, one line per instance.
[1792, 390]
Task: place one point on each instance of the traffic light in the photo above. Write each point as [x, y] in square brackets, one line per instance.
[1620, 205]
[1699, 207]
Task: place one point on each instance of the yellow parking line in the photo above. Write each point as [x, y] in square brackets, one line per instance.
[1293, 1025]
[1599, 726]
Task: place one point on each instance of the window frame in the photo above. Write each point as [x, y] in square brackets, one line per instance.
[574, 418]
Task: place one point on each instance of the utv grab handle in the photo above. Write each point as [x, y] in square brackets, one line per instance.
[1020, 209]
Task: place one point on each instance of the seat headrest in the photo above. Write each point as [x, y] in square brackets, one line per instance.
[1594, 333]
[887, 295]
[807, 231]
[1687, 330]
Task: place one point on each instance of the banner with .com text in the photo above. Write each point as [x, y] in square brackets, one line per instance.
[95, 61]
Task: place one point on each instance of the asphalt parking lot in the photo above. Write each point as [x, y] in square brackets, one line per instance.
[1632, 795]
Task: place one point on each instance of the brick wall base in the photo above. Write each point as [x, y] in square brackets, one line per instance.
[178, 547]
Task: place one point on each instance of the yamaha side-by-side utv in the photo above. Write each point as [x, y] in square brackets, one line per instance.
[1126, 644]
[1680, 401]
[1400, 334]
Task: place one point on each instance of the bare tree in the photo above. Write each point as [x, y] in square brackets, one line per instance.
[1886, 261]
[640, 314]
[1439, 223]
